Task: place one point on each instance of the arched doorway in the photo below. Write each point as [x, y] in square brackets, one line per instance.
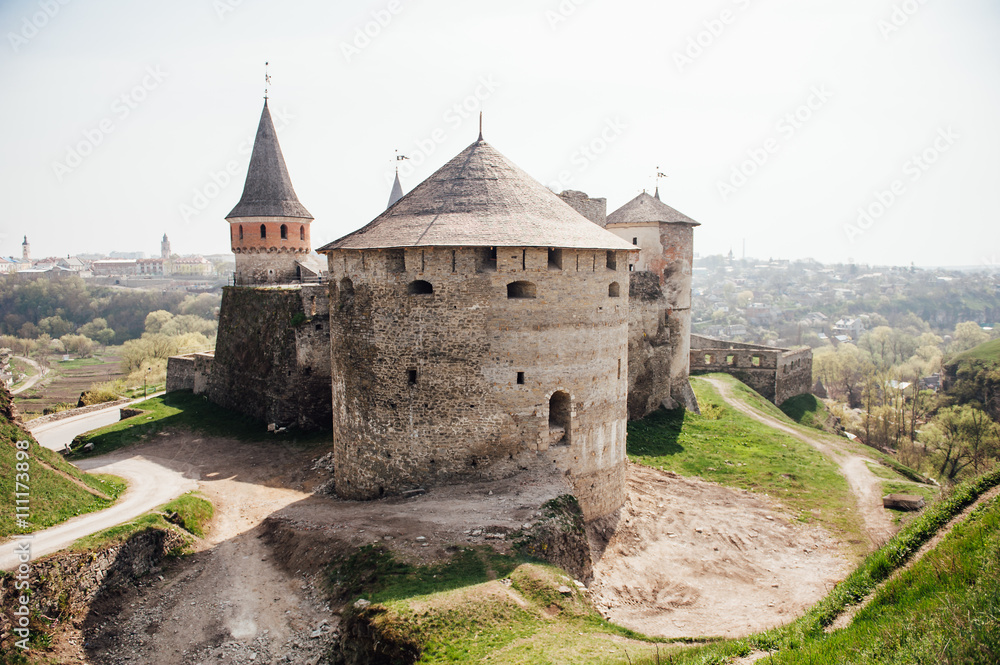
[560, 419]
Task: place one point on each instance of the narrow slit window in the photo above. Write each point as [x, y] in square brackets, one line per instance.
[263, 231]
[411, 377]
[520, 378]
[241, 232]
[612, 261]
[284, 232]
[302, 233]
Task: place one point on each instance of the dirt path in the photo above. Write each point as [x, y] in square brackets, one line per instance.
[253, 592]
[689, 558]
[865, 485]
[845, 619]
[42, 372]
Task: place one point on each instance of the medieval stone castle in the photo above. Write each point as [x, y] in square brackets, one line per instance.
[480, 326]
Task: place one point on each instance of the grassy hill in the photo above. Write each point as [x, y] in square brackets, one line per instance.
[724, 446]
[57, 490]
[987, 354]
[807, 410]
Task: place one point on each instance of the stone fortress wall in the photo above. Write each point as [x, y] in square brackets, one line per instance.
[777, 374]
[528, 349]
[272, 355]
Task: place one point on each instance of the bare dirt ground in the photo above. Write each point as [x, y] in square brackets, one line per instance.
[683, 558]
[690, 558]
[245, 600]
[865, 485]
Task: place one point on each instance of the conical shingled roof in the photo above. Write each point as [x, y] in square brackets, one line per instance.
[268, 189]
[480, 199]
[644, 208]
[397, 192]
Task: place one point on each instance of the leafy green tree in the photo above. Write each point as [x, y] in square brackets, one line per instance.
[55, 326]
[968, 335]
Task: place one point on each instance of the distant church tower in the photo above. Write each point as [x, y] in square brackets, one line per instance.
[269, 228]
[165, 248]
[25, 250]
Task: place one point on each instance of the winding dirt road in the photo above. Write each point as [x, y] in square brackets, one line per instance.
[42, 373]
[865, 485]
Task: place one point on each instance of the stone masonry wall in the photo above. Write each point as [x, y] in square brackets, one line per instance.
[180, 373]
[272, 355]
[777, 374]
[456, 384]
[650, 346]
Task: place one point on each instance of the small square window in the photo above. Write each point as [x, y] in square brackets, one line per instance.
[520, 378]
[730, 360]
[411, 376]
[755, 361]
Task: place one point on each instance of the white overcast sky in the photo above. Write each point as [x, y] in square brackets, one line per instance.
[619, 76]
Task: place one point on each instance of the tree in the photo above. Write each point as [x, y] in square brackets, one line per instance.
[960, 437]
[78, 344]
[968, 335]
[55, 326]
[156, 320]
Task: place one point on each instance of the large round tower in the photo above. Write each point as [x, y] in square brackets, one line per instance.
[478, 327]
[269, 228]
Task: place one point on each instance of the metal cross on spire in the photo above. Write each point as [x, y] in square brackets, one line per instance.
[267, 79]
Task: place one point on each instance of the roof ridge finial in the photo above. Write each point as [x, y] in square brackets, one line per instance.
[267, 80]
[480, 125]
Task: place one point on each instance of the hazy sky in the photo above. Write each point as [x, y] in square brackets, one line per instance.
[777, 121]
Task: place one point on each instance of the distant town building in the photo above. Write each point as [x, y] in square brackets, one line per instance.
[152, 267]
[114, 267]
[191, 266]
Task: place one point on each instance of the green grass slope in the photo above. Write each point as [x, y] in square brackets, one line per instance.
[184, 410]
[477, 607]
[53, 497]
[724, 446]
[806, 410]
[987, 354]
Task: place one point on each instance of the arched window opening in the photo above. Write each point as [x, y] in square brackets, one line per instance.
[302, 233]
[612, 261]
[614, 290]
[419, 288]
[241, 232]
[284, 232]
[263, 231]
[521, 290]
[560, 417]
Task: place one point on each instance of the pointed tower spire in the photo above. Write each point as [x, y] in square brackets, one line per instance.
[269, 228]
[268, 189]
[480, 125]
[659, 174]
[397, 191]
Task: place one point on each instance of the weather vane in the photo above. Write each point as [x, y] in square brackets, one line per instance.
[399, 158]
[267, 79]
